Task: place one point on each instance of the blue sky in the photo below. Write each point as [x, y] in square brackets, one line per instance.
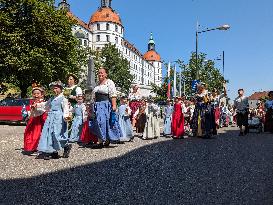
[248, 44]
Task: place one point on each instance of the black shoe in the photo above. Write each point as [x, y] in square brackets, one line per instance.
[106, 143]
[97, 146]
[241, 134]
[55, 155]
[47, 156]
[40, 156]
[67, 150]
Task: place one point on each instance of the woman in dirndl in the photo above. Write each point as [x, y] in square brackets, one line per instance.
[134, 102]
[203, 122]
[36, 121]
[268, 127]
[105, 124]
[54, 135]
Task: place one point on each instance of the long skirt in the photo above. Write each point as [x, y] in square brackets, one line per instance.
[86, 135]
[33, 132]
[203, 122]
[54, 135]
[167, 126]
[178, 129]
[140, 123]
[217, 116]
[126, 128]
[102, 125]
[268, 127]
[134, 105]
[152, 129]
[76, 129]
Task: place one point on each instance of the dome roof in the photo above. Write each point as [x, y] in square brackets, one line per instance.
[105, 14]
[152, 56]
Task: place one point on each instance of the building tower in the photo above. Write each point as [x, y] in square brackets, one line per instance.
[154, 58]
[106, 26]
[64, 5]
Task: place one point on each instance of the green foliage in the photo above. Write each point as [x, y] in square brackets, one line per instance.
[118, 67]
[208, 74]
[36, 42]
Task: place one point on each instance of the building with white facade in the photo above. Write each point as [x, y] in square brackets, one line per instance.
[104, 27]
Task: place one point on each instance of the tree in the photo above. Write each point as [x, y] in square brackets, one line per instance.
[36, 42]
[208, 73]
[118, 67]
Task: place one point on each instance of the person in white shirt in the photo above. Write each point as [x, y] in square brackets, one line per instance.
[242, 108]
[104, 99]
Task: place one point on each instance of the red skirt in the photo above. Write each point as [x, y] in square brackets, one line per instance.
[217, 116]
[86, 135]
[178, 125]
[134, 105]
[33, 132]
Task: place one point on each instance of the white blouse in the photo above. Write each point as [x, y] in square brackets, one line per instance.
[108, 87]
[134, 96]
[78, 89]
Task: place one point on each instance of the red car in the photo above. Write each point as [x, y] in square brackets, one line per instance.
[11, 109]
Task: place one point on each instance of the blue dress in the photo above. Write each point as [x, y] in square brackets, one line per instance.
[168, 111]
[101, 125]
[125, 124]
[55, 133]
[77, 123]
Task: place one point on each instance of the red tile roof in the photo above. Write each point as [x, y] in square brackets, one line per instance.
[78, 20]
[105, 15]
[132, 47]
[258, 95]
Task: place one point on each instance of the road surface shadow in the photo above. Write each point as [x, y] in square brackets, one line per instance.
[227, 170]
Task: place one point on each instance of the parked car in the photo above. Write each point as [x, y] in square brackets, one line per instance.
[11, 109]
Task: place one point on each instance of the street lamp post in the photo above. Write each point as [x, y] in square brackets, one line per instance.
[221, 28]
[222, 58]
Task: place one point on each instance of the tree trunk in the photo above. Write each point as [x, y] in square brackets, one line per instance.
[23, 89]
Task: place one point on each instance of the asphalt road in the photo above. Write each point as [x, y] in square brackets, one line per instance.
[226, 170]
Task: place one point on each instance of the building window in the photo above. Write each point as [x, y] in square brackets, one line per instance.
[116, 40]
[107, 26]
[116, 28]
[98, 38]
[80, 42]
[85, 42]
[107, 38]
[98, 26]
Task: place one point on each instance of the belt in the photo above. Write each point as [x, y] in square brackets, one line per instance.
[101, 97]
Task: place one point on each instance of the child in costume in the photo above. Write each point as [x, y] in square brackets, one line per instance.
[36, 121]
[124, 113]
[54, 135]
[80, 116]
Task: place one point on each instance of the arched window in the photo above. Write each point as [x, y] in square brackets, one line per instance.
[107, 26]
[98, 26]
